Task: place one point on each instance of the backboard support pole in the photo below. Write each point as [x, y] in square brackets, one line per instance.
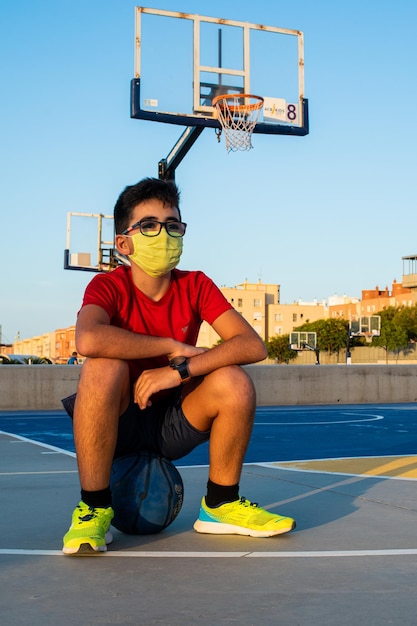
[316, 351]
[167, 166]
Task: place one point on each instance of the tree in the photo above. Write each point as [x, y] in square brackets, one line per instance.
[394, 336]
[407, 318]
[279, 349]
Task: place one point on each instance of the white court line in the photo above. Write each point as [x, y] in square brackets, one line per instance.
[37, 443]
[216, 555]
[371, 418]
[36, 473]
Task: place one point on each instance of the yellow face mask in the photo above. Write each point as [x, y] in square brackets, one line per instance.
[156, 255]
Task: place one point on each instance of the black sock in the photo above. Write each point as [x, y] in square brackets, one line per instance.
[219, 494]
[97, 499]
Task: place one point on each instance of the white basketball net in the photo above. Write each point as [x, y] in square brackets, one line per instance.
[238, 115]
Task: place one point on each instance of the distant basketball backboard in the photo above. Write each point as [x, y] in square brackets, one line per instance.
[183, 61]
[365, 326]
[90, 243]
[303, 340]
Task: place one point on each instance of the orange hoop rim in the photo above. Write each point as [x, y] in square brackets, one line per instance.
[219, 101]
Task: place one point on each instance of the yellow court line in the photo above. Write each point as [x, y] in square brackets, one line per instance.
[390, 467]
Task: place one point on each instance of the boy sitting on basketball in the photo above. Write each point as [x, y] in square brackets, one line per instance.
[144, 384]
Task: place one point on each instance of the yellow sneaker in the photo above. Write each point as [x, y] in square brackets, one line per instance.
[89, 531]
[241, 517]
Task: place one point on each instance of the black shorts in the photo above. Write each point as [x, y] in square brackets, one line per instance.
[161, 428]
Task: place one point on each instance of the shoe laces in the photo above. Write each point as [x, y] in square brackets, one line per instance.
[87, 517]
[244, 502]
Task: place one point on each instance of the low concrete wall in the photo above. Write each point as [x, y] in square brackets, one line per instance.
[41, 387]
[334, 384]
[36, 387]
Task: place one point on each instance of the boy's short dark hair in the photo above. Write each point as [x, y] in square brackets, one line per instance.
[146, 189]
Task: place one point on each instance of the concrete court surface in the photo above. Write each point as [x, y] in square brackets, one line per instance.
[351, 559]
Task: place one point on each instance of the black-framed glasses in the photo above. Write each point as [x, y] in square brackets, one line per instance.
[152, 228]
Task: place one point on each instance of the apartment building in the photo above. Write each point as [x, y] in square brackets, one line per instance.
[283, 318]
[259, 304]
[373, 301]
[56, 346]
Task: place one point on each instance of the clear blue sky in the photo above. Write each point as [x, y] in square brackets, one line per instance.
[329, 213]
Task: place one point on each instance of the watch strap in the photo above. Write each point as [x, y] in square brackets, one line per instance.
[182, 369]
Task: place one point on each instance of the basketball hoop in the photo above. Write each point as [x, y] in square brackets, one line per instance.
[237, 114]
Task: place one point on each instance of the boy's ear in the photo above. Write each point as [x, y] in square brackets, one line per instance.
[122, 245]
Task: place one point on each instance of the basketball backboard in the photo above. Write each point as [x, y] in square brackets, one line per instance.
[365, 326]
[90, 243]
[303, 340]
[183, 61]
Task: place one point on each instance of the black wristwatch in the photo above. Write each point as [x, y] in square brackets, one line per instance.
[179, 363]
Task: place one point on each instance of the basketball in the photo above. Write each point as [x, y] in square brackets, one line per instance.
[147, 493]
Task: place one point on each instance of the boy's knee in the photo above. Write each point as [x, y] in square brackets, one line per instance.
[234, 380]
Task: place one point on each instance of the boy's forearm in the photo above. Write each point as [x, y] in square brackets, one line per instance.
[105, 341]
[238, 350]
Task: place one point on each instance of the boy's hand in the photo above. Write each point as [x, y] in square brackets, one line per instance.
[161, 378]
[152, 381]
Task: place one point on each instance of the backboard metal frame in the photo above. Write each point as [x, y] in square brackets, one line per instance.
[202, 109]
[106, 256]
[303, 340]
[368, 326]
[365, 326]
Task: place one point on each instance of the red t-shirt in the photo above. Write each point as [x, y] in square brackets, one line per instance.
[191, 298]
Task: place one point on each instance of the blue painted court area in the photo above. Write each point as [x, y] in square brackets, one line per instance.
[281, 433]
